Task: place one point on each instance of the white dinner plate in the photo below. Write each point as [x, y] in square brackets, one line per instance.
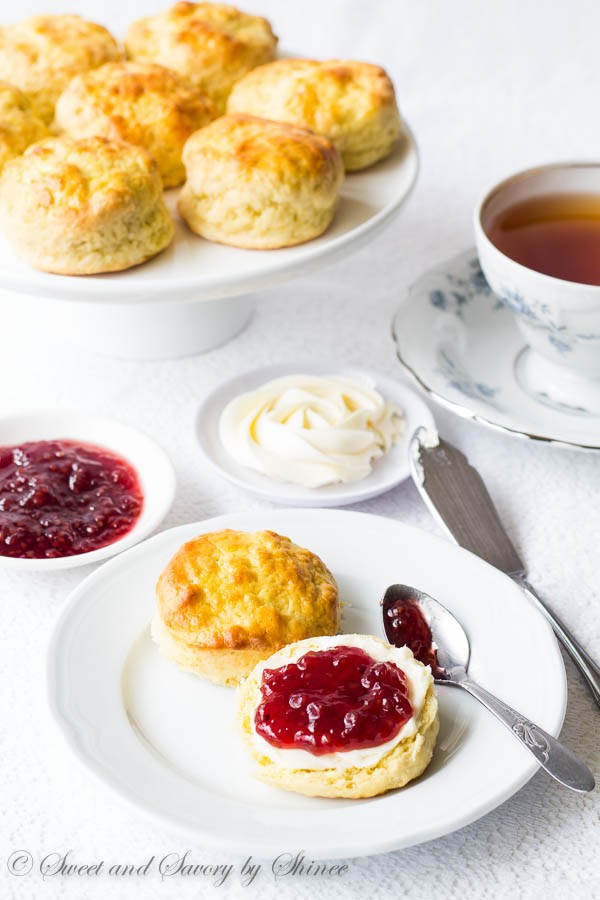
[152, 465]
[166, 740]
[388, 471]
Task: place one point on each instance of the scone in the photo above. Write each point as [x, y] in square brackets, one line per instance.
[82, 207]
[143, 103]
[346, 716]
[212, 44]
[41, 54]
[352, 103]
[258, 184]
[231, 598]
[19, 125]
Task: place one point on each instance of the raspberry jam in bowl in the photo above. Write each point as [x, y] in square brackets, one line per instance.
[75, 489]
[60, 498]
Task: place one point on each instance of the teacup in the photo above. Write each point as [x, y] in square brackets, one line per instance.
[559, 319]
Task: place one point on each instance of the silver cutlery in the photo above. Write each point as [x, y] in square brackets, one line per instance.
[450, 667]
[456, 495]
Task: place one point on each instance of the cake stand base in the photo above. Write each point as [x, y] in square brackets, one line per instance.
[123, 330]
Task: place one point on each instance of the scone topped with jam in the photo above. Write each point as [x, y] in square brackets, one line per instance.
[212, 44]
[142, 103]
[229, 599]
[41, 54]
[84, 207]
[352, 103]
[19, 125]
[346, 716]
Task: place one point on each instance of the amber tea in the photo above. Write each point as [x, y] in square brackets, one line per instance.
[556, 234]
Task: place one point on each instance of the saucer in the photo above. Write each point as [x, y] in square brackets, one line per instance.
[461, 344]
[152, 465]
[388, 471]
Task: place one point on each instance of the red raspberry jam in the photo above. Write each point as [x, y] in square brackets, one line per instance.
[405, 625]
[60, 498]
[331, 700]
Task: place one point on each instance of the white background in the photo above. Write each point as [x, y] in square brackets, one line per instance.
[488, 88]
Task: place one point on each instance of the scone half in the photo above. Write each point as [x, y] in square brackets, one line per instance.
[353, 773]
[228, 599]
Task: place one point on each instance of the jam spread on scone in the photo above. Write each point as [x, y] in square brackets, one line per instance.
[332, 700]
[61, 498]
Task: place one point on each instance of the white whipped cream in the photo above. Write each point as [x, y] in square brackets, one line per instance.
[419, 680]
[310, 430]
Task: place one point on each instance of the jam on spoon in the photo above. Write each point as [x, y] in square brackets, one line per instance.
[452, 644]
[61, 498]
[405, 625]
[332, 700]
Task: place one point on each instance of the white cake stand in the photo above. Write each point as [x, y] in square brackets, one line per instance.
[196, 295]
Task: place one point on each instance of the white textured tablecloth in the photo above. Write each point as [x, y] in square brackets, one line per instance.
[488, 88]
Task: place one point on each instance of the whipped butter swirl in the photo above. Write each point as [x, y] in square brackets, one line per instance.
[310, 430]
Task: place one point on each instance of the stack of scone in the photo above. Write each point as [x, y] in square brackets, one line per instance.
[261, 144]
[320, 713]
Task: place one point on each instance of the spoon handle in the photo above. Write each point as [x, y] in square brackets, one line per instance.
[554, 757]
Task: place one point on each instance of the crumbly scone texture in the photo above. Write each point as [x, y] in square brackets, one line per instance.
[259, 184]
[19, 125]
[142, 103]
[352, 103]
[213, 44]
[84, 207]
[41, 54]
[403, 763]
[228, 599]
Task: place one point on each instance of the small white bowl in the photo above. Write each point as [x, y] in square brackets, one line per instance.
[153, 467]
[559, 319]
[388, 471]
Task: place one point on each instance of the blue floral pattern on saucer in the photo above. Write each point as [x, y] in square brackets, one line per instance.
[460, 342]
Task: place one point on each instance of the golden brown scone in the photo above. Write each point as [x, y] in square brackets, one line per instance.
[230, 598]
[19, 125]
[259, 184]
[352, 103]
[41, 54]
[393, 767]
[212, 44]
[82, 207]
[142, 103]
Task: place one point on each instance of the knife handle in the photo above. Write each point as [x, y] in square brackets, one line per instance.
[584, 662]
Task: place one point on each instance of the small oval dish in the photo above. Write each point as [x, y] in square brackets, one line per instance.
[387, 472]
[155, 475]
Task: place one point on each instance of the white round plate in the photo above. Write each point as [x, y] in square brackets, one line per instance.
[154, 469]
[166, 740]
[195, 269]
[460, 343]
[387, 472]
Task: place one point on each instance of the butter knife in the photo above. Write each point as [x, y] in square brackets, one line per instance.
[457, 497]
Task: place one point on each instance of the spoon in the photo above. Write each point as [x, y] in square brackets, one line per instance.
[413, 618]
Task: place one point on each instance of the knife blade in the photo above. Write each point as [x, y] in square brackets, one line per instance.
[456, 495]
